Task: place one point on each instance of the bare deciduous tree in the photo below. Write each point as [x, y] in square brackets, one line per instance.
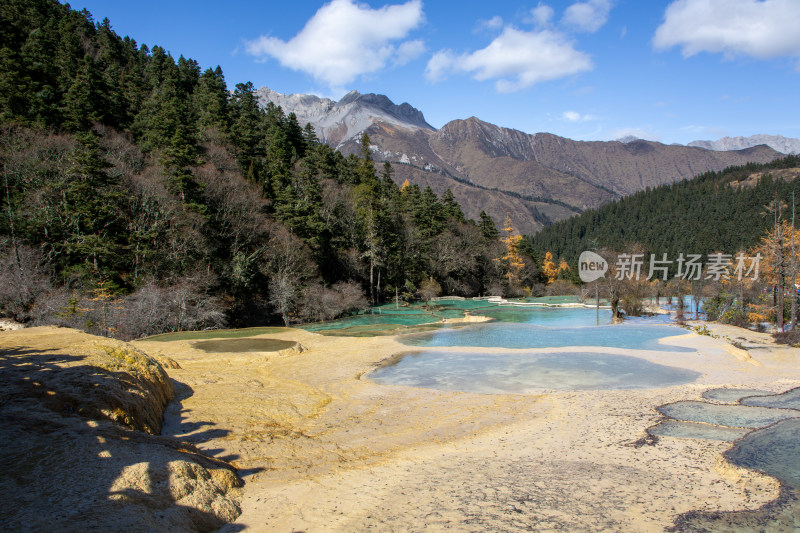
[24, 279]
[320, 303]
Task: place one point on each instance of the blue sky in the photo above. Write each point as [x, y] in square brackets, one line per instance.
[670, 71]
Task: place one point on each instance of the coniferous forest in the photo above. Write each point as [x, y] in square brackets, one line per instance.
[141, 194]
[727, 211]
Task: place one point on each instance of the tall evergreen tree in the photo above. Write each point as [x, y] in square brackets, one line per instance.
[211, 101]
[247, 129]
[488, 229]
[450, 206]
[91, 210]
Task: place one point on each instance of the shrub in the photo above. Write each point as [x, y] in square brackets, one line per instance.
[792, 338]
[429, 288]
[718, 305]
[320, 303]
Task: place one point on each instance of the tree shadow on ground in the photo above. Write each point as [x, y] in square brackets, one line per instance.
[178, 425]
[70, 464]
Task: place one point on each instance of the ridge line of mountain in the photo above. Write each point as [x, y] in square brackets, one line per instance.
[533, 178]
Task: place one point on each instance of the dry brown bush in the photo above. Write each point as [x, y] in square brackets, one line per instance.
[320, 303]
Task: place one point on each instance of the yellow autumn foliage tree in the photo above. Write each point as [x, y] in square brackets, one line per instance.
[549, 268]
[776, 253]
[511, 258]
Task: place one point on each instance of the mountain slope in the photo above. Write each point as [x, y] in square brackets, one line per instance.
[629, 167]
[537, 179]
[716, 211]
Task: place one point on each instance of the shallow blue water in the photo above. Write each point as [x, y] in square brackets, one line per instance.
[549, 316]
[695, 430]
[789, 399]
[774, 450]
[735, 416]
[522, 372]
[731, 395]
[515, 335]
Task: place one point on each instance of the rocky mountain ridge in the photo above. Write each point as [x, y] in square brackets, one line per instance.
[784, 145]
[337, 122]
[536, 178]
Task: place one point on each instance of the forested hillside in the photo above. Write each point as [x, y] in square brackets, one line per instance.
[725, 211]
[140, 195]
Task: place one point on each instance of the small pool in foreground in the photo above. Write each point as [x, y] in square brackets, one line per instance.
[244, 345]
[525, 372]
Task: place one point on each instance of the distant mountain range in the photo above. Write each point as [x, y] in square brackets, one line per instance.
[537, 179]
[782, 144]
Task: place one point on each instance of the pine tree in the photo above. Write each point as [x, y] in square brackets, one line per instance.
[247, 129]
[488, 229]
[366, 166]
[428, 215]
[450, 207]
[91, 208]
[294, 136]
[211, 101]
[84, 98]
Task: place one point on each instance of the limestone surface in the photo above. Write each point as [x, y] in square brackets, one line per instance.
[79, 423]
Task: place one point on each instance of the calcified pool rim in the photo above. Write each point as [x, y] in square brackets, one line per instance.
[772, 449]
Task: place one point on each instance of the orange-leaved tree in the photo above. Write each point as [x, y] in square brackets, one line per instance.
[549, 268]
[511, 259]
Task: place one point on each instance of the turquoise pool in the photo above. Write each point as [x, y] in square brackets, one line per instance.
[549, 316]
[525, 372]
[400, 316]
[525, 335]
[525, 328]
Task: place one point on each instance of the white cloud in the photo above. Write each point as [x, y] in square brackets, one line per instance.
[494, 23]
[440, 65]
[516, 59]
[574, 116]
[640, 133]
[541, 16]
[408, 51]
[588, 16]
[344, 40]
[756, 28]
